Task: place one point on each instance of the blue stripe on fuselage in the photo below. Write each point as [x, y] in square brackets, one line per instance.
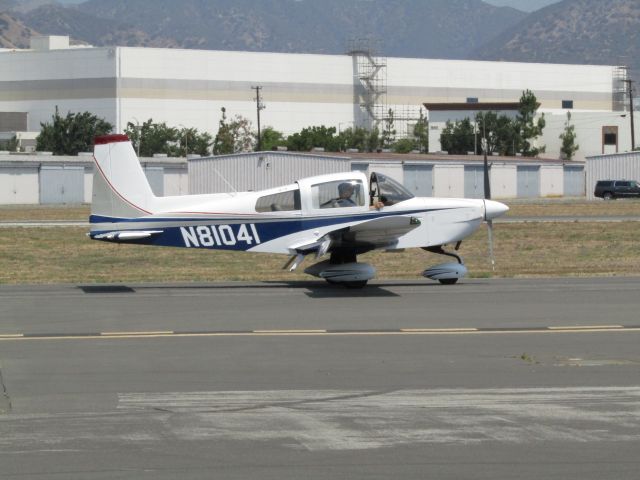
[268, 228]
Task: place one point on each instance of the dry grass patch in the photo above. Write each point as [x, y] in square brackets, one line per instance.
[66, 255]
[23, 213]
[579, 208]
[537, 208]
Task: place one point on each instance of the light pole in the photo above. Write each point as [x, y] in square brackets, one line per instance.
[633, 132]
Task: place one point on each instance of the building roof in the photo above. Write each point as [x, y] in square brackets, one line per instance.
[405, 157]
[488, 106]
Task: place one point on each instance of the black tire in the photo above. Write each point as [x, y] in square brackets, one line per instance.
[607, 196]
[448, 281]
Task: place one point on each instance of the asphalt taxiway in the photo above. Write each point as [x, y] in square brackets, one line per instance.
[486, 379]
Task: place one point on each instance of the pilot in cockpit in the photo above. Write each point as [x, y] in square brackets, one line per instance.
[345, 192]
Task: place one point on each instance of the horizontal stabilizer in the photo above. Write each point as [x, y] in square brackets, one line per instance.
[127, 235]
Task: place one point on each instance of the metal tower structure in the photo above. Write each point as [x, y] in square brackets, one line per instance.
[371, 71]
[620, 89]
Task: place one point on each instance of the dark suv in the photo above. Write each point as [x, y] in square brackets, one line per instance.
[609, 189]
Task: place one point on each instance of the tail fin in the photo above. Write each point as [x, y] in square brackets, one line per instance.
[120, 187]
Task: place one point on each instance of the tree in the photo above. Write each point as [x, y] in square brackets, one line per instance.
[150, 138]
[224, 142]
[421, 133]
[271, 138]
[357, 138]
[72, 134]
[405, 145]
[528, 129]
[389, 131]
[234, 136]
[311, 137]
[192, 141]
[458, 137]
[501, 132]
[568, 137]
[374, 140]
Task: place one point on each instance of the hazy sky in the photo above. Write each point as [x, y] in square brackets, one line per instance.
[525, 5]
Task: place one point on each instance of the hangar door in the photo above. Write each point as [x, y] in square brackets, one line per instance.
[419, 179]
[155, 176]
[573, 181]
[473, 181]
[61, 184]
[528, 181]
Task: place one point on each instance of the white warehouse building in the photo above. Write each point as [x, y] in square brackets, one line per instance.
[189, 88]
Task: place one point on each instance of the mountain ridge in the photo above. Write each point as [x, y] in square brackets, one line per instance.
[571, 31]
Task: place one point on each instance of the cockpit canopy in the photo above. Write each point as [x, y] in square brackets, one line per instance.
[343, 190]
[386, 190]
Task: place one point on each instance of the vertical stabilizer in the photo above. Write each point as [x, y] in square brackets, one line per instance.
[120, 187]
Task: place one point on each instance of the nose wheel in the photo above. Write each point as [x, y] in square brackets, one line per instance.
[446, 273]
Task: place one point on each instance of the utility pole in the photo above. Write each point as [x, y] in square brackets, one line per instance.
[259, 106]
[630, 82]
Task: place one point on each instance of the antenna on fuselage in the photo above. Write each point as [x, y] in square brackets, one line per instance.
[225, 181]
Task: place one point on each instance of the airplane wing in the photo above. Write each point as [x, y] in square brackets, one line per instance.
[381, 232]
[377, 233]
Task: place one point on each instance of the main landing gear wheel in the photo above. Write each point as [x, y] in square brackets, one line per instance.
[448, 281]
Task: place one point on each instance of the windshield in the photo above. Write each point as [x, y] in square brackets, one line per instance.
[387, 190]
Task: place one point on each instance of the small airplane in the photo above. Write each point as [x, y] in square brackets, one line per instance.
[340, 216]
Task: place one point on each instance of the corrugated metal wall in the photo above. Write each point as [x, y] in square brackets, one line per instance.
[259, 171]
[33, 179]
[473, 181]
[155, 177]
[360, 167]
[621, 166]
[61, 184]
[419, 179]
[528, 181]
[573, 180]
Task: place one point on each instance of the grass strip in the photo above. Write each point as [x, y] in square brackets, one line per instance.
[66, 255]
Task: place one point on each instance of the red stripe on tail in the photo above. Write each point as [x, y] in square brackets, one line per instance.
[104, 139]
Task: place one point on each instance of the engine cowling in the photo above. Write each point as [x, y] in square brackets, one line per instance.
[446, 271]
[343, 272]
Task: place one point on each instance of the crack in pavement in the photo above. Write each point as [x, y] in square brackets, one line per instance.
[5, 400]
[293, 404]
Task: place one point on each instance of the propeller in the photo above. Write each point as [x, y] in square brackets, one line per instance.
[492, 209]
[487, 196]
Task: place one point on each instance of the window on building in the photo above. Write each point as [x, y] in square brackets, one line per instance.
[610, 139]
[567, 104]
[472, 99]
[279, 202]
